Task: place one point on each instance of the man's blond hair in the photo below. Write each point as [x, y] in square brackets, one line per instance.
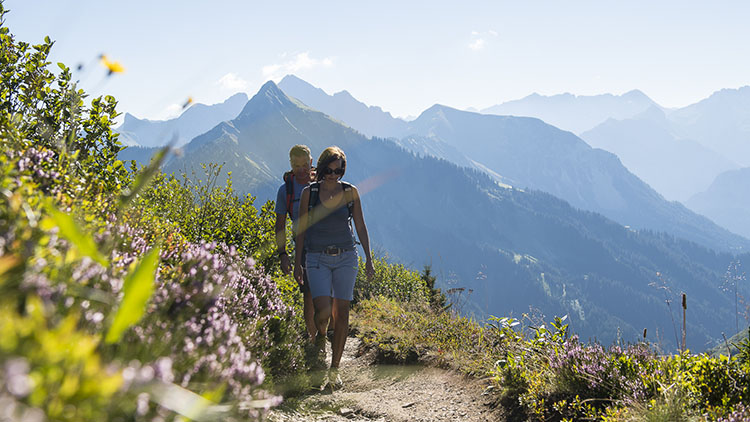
[300, 151]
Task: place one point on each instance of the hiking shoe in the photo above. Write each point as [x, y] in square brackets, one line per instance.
[318, 379]
[334, 380]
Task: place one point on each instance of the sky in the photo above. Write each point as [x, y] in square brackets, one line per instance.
[403, 56]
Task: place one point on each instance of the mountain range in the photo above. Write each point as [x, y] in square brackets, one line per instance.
[369, 120]
[692, 154]
[528, 153]
[647, 145]
[195, 120]
[575, 113]
[516, 249]
[727, 201]
[721, 122]
[644, 136]
[677, 151]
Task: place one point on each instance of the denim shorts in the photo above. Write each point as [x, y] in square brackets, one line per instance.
[332, 276]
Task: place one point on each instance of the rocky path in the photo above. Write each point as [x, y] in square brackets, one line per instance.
[392, 393]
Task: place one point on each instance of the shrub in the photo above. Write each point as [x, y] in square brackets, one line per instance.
[216, 312]
[201, 211]
[711, 384]
[393, 281]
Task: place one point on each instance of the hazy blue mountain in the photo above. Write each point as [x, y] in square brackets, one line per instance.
[140, 155]
[529, 153]
[526, 152]
[255, 145]
[727, 201]
[646, 145]
[576, 113]
[370, 120]
[180, 130]
[721, 122]
[373, 121]
[515, 249]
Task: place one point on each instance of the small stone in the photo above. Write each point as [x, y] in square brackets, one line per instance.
[410, 404]
[346, 412]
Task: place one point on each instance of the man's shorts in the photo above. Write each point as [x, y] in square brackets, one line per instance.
[332, 275]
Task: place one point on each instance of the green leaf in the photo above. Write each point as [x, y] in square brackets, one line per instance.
[71, 232]
[143, 177]
[137, 288]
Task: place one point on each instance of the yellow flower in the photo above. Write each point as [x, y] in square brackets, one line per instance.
[112, 67]
[187, 103]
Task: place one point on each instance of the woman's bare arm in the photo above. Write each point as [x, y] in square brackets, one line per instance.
[361, 227]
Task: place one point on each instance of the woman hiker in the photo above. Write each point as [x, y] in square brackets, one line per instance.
[325, 235]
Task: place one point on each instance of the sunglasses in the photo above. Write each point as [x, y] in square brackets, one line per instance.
[326, 171]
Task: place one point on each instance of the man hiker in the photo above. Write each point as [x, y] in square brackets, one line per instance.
[287, 203]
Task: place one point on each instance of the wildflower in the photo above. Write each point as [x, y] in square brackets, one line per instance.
[112, 67]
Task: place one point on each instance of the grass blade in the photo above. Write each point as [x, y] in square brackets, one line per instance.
[143, 177]
[137, 288]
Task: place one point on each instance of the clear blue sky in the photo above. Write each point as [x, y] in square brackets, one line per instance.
[403, 56]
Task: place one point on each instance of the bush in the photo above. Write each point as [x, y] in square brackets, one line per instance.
[714, 385]
[393, 281]
[201, 211]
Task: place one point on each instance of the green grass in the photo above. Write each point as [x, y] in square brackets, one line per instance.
[545, 374]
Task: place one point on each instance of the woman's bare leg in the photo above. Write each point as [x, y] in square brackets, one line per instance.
[340, 330]
[322, 313]
[309, 313]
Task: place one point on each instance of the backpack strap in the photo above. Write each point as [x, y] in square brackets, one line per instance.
[314, 196]
[289, 182]
[348, 195]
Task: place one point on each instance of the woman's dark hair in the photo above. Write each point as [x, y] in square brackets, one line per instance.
[328, 156]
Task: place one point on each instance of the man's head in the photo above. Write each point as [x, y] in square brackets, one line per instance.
[300, 159]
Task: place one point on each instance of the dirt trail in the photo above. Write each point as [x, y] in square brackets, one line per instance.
[393, 393]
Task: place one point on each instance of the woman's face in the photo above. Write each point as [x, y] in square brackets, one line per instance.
[333, 168]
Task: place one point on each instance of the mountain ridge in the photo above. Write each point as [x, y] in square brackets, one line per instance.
[726, 200]
[647, 146]
[575, 113]
[370, 120]
[193, 121]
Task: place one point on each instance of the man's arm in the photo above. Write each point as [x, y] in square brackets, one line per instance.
[280, 229]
